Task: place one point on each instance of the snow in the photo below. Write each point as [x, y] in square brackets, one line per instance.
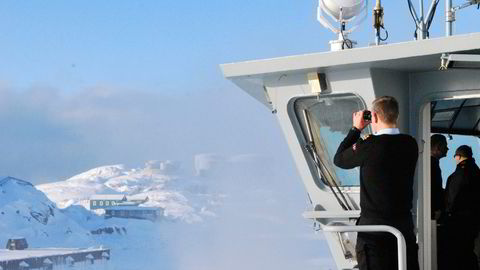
[118, 197]
[158, 180]
[27, 212]
[98, 175]
[228, 211]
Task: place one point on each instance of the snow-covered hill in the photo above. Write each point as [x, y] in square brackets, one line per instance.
[255, 223]
[54, 213]
[27, 212]
[184, 197]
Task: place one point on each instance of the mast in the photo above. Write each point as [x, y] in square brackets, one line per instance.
[449, 18]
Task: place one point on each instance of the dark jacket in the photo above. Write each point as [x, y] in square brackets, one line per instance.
[387, 167]
[438, 194]
[462, 190]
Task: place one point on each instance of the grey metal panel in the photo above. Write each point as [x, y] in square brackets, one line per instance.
[255, 88]
[393, 83]
[420, 55]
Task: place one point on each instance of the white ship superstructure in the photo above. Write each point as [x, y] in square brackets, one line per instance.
[437, 84]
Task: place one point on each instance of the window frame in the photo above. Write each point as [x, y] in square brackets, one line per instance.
[302, 137]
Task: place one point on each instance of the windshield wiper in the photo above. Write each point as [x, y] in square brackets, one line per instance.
[330, 182]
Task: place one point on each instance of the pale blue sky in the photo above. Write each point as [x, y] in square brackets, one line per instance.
[88, 83]
[167, 46]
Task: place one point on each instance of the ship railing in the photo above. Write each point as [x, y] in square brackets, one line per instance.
[401, 245]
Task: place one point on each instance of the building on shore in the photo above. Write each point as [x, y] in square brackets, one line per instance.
[123, 206]
[103, 201]
[150, 213]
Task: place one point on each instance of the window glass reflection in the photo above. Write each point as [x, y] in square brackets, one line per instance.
[325, 122]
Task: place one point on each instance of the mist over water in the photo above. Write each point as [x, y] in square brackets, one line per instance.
[258, 225]
[50, 135]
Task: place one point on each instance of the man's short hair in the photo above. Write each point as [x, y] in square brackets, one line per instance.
[437, 140]
[386, 108]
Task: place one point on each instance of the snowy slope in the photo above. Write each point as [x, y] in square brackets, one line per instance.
[254, 225]
[27, 212]
[184, 197]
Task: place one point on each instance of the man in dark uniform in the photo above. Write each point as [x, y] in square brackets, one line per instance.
[387, 163]
[462, 210]
[439, 149]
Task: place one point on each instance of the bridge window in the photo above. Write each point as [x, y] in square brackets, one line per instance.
[325, 121]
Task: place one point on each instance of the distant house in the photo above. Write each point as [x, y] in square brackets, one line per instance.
[17, 243]
[150, 213]
[137, 199]
[104, 201]
[123, 206]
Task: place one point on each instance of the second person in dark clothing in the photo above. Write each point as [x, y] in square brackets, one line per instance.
[439, 150]
[462, 211]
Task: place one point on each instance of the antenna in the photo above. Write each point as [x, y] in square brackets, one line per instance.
[342, 12]
[378, 22]
[422, 22]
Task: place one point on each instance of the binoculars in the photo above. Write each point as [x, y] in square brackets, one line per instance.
[367, 115]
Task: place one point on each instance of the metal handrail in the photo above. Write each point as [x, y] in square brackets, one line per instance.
[401, 244]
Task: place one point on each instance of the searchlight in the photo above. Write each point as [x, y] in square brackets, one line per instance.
[343, 12]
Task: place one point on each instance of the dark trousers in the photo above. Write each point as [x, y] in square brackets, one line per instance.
[457, 251]
[378, 251]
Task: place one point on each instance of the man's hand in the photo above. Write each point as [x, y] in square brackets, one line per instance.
[358, 121]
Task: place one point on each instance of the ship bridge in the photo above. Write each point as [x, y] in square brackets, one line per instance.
[436, 82]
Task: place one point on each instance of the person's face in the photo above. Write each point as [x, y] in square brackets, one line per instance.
[440, 150]
[457, 159]
[443, 149]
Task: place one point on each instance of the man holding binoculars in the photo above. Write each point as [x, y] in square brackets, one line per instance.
[387, 163]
